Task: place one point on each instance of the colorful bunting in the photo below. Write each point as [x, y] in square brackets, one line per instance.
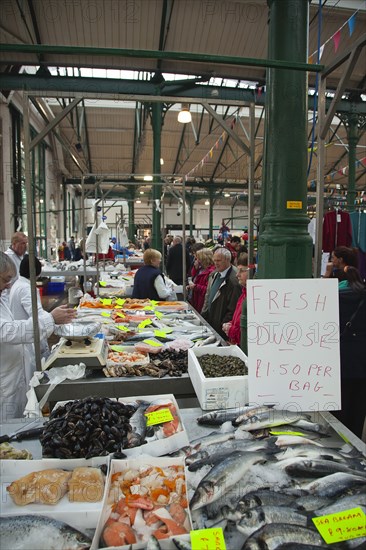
[336, 40]
[351, 24]
[336, 37]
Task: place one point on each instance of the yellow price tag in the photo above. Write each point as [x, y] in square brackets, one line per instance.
[106, 301]
[158, 417]
[208, 539]
[148, 308]
[105, 314]
[154, 302]
[120, 301]
[152, 343]
[158, 314]
[117, 348]
[346, 525]
[275, 432]
[144, 323]
[102, 283]
[122, 315]
[294, 205]
[160, 333]
[122, 327]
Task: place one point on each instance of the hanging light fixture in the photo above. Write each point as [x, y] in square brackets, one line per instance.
[207, 203]
[184, 115]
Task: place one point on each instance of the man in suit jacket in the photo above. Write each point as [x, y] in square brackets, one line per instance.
[223, 292]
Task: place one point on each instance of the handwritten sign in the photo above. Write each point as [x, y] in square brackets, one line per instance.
[158, 314]
[158, 417]
[349, 524]
[122, 315]
[122, 327]
[208, 539]
[144, 323]
[106, 301]
[120, 301]
[105, 314]
[293, 343]
[152, 343]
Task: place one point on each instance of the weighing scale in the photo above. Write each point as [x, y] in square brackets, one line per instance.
[92, 352]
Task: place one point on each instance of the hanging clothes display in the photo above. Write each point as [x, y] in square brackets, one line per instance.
[358, 220]
[337, 230]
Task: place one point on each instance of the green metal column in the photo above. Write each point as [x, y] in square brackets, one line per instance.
[354, 124]
[131, 214]
[157, 111]
[191, 204]
[285, 246]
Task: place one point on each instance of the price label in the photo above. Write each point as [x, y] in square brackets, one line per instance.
[148, 308]
[117, 348]
[346, 525]
[158, 314]
[102, 283]
[275, 432]
[105, 314]
[106, 301]
[152, 343]
[144, 323]
[208, 539]
[120, 301]
[122, 327]
[154, 302]
[122, 315]
[158, 417]
[160, 333]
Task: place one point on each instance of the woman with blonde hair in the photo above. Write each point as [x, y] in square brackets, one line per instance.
[198, 286]
[149, 281]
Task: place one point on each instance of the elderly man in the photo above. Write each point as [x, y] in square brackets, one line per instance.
[223, 292]
[17, 248]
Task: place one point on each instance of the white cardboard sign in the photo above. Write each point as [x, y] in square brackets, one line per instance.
[293, 343]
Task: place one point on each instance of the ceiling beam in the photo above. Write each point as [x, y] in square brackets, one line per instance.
[227, 129]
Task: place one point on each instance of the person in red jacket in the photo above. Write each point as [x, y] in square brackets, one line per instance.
[232, 328]
[204, 266]
[108, 256]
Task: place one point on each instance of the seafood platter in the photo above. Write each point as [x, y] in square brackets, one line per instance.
[68, 490]
[206, 366]
[145, 499]
[94, 426]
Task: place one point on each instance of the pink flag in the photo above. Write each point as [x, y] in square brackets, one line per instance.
[336, 39]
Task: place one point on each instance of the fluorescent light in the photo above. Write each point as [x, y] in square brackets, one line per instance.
[161, 162]
[142, 192]
[148, 178]
[138, 201]
[226, 194]
[207, 203]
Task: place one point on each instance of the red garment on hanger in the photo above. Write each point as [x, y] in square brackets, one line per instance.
[336, 233]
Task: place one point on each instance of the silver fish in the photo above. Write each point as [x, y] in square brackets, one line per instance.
[33, 532]
[270, 418]
[305, 467]
[320, 452]
[138, 423]
[153, 543]
[255, 518]
[345, 503]
[274, 535]
[334, 484]
[223, 476]
[212, 439]
[304, 424]
[264, 497]
[250, 411]
[312, 502]
[219, 417]
[182, 544]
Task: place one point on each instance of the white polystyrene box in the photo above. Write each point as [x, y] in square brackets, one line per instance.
[135, 463]
[80, 515]
[57, 279]
[163, 446]
[218, 393]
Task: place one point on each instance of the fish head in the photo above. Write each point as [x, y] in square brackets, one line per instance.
[254, 517]
[203, 495]
[248, 502]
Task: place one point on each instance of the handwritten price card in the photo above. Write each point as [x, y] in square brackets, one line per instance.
[208, 539]
[346, 525]
[158, 417]
[293, 343]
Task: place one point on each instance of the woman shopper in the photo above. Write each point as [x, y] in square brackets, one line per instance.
[149, 281]
[352, 331]
[13, 334]
[204, 266]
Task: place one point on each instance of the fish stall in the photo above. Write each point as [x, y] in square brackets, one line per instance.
[129, 347]
[259, 478]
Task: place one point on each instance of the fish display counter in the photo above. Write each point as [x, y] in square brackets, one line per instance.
[263, 477]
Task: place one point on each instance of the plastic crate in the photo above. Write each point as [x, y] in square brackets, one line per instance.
[55, 288]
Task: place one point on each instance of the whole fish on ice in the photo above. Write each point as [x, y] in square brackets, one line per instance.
[33, 532]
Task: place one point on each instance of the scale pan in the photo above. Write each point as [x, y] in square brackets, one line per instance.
[78, 332]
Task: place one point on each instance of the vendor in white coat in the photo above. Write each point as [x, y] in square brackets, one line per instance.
[17, 248]
[20, 303]
[13, 334]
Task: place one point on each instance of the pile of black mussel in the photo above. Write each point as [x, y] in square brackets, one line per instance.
[170, 362]
[84, 428]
